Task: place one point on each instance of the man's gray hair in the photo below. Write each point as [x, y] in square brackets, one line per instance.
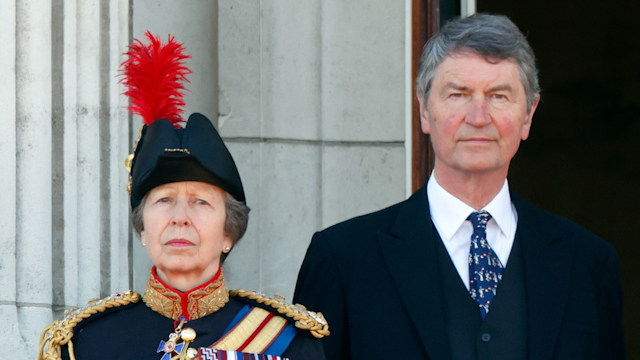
[235, 223]
[490, 36]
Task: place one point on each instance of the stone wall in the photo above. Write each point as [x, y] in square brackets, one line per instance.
[312, 104]
[310, 97]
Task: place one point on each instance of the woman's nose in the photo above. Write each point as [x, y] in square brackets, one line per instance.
[180, 215]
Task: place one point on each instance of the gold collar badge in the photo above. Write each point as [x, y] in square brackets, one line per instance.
[194, 304]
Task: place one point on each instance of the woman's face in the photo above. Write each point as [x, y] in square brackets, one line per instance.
[184, 231]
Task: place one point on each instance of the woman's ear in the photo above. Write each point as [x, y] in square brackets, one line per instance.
[227, 244]
[143, 238]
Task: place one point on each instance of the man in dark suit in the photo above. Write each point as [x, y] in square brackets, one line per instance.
[464, 269]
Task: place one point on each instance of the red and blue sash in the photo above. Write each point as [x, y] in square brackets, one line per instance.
[254, 332]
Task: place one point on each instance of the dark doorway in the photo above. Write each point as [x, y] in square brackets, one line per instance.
[582, 160]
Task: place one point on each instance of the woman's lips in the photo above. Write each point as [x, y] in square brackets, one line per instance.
[179, 242]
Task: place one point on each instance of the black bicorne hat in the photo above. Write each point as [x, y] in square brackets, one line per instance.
[196, 152]
[165, 151]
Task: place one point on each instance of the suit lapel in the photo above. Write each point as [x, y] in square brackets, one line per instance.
[409, 251]
[548, 261]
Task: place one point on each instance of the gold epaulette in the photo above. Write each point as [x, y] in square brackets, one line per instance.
[60, 332]
[303, 319]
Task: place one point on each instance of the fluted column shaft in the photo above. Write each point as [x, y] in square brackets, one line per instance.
[64, 134]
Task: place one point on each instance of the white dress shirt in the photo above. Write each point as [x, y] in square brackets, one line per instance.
[449, 216]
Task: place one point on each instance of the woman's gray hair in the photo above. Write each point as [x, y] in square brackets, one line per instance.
[490, 36]
[235, 223]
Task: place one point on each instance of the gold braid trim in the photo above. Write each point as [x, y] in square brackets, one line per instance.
[201, 302]
[60, 332]
[304, 319]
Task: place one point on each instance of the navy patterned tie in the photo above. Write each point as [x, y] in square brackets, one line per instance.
[485, 269]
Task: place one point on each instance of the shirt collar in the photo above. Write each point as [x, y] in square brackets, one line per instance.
[448, 213]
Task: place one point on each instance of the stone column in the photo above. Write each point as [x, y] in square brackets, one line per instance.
[8, 286]
[32, 205]
[64, 128]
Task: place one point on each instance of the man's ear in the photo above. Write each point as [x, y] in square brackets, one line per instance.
[526, 128]
[424, 115]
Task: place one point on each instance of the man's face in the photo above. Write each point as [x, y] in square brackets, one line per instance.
[476, 114]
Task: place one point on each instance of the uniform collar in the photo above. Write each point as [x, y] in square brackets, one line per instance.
[193, 304]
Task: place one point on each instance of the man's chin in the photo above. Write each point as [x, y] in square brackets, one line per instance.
[481, 168]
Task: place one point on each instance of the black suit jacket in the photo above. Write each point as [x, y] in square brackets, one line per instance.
[376, 280]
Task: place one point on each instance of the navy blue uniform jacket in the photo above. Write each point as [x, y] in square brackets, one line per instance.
[134, 332]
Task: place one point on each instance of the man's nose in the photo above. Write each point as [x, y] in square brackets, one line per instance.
[180, 215]
[478, 113]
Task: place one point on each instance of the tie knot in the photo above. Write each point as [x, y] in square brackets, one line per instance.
[479, 219]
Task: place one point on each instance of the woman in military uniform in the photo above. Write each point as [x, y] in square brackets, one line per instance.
[189, 209]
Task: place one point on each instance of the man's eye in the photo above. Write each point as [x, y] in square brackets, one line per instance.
[201, 202]
[163, 200]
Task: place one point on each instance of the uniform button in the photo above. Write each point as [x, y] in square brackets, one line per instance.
[486, 337]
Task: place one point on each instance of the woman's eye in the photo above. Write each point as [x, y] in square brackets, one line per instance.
[201, 202]
[163, 200]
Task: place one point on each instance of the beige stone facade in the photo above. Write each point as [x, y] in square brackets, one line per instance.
[310, 96]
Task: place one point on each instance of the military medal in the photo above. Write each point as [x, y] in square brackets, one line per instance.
[171, 346]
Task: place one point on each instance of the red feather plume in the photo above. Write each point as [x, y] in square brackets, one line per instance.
[153, 77]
